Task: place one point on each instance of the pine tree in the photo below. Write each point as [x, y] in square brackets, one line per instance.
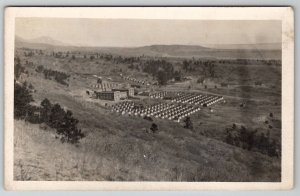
[18, 67]
[22, 100]
[46, 111]
[188, 123]
[56, 116]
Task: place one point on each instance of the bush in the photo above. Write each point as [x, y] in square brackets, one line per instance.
[200, 80]
[154, 128]
[223, 84]
[188, 123]
[148, 118]
[247, 139]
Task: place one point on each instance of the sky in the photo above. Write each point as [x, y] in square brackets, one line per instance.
[141, 32]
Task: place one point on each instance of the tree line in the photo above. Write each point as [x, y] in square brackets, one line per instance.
[163, 70]
[49, 113]
[50, 74]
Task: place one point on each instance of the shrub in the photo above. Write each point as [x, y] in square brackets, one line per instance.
[154, 128]
[200, 80]
[188, 123]
[223, 84]
[258, 83]
[148, 118]
[247, 139]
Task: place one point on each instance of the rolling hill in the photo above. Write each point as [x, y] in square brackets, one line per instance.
[259, 51]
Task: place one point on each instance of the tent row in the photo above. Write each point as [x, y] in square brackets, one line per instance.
[168, 111]
[163, 94]
[128, 78]
[197, 99]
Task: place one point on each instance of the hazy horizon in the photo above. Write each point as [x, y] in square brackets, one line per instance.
[138, 33]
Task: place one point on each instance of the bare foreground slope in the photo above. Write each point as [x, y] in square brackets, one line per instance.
[135, 156]
[120, 147]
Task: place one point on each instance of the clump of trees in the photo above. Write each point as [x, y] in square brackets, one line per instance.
[200, 80]
[29, 54]
[207, 67]
[177, 76]
[58, 54]
[18, 67]
[92, 57]
[50, 74]
[154, 128]
[249, 140]
[188, 123]
[63, 121]
[162, 70]
[52, 115]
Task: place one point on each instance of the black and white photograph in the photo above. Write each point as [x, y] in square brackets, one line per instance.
[147, 99]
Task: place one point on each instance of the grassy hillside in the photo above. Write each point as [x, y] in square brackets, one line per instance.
[113, 154]
[122, 150]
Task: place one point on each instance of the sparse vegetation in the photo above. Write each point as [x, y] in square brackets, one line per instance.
[114, 147]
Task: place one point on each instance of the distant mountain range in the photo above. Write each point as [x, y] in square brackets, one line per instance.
[40, 40]
[260, 51]
[260, 46]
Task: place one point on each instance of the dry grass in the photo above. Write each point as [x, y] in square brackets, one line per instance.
[39, 156]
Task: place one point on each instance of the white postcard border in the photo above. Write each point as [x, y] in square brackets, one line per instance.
[285, 14]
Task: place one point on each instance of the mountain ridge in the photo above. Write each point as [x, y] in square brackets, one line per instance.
[261, 46]
[160, 50]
